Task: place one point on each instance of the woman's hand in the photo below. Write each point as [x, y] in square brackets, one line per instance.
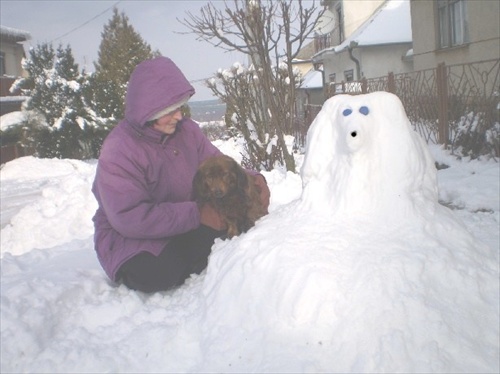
[262, 187]
[210, 217]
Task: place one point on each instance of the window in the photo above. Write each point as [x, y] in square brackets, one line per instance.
[452, 23]
[332, 77]
[2, 63]
[349, 75]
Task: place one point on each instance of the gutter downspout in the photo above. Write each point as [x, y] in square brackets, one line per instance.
[350, 48]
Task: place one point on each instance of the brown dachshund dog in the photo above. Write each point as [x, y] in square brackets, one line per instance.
[221, 182]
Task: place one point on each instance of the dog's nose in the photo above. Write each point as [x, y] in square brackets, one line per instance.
[218, 194]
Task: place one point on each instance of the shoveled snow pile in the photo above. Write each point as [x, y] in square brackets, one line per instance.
[366, 272]
[357, 268]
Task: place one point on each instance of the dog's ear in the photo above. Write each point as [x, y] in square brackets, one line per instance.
[241, 177]
[199, 192]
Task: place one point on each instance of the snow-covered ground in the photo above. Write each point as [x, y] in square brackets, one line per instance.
[319, 285]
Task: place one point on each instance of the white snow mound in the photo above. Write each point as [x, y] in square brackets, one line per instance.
[365, 272]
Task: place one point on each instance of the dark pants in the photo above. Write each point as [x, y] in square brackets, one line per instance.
[184, 255]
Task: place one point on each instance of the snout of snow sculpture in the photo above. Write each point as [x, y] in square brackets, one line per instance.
[363, 156]
[366, 272]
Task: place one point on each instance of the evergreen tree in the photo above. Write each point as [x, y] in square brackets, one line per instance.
[58, 116]
[37, 84]
[121, 49]
[73, 118]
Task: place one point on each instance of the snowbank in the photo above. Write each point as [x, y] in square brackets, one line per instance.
[318, 285]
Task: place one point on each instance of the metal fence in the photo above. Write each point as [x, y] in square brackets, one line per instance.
[455, 105]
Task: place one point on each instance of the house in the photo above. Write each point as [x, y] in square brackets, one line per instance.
[441, 57]
[310, 91]
[308, 102]
[302, 61]
[459, 40]
[11, 55]
[454, 32]
[340, 19]
[364, 39]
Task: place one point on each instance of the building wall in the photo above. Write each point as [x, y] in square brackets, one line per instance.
[356, 12]
[380, 60]
[309, 97]
[337, 64]
[375, 62]
[14, 53]
[483, 31]
[303, 67]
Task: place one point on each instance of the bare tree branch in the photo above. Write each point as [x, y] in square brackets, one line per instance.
[260, 99]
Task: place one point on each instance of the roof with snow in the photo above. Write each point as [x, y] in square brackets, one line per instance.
[312, 79]
[14, 35]
[389, 24]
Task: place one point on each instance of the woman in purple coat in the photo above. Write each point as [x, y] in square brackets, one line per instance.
[149, 234]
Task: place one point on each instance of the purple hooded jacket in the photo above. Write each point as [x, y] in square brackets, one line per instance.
[143, 178]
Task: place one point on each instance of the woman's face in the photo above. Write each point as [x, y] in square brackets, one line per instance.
[168, 123]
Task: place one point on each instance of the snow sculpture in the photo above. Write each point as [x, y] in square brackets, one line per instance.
[363, 157]
[366, 272]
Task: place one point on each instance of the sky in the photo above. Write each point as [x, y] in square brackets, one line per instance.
[80, 23]
[396, 275]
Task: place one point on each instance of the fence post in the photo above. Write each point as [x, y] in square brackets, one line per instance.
[442, 92]
[364, 85]
[391, 83]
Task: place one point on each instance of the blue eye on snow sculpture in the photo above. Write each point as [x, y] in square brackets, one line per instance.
[346, 112]
[364, 110]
